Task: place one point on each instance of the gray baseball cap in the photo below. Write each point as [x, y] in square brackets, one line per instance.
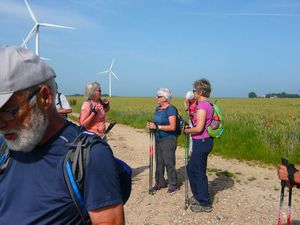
[20, 69]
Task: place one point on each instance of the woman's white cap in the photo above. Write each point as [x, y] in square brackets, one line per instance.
[189, 95]
[166, 93]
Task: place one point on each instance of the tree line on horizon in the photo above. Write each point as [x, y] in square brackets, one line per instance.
[252, 94]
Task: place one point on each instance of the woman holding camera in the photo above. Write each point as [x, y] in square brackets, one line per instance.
[93, 110]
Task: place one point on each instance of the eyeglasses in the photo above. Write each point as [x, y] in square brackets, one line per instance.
[159, 96]
[11, 114]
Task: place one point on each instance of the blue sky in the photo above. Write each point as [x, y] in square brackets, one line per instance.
[239, 45]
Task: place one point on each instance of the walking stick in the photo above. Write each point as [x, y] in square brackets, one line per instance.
[186, 156]
[151, 161]
[283, 184]
[289, 207]
[110, 126]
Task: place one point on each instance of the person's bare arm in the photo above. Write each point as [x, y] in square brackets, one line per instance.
[283, 174]
[201, 116]
[171, 126]
[112, 215]
[63, 111]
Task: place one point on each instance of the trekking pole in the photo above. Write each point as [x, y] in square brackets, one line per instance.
[151, 161]
[186, 156]
[110, 126]
[289, 207]
[283, 184]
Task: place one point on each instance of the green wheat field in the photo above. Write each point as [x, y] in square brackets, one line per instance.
[257, 129]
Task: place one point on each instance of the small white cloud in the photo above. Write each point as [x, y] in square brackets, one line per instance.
[241, 14]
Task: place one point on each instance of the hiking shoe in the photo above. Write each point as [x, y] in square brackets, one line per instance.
[192, 201]
[172, 189]
[199, 208]
[156, 187]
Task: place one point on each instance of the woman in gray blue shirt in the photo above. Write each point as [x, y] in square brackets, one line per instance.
[164, 124]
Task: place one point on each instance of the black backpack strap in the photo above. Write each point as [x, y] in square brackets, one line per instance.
[74, 167]
[59, 100]
[91, 107]
[205, 127]
[74, 191]
[179, 122]
[74, 170]
[4, 156]
[91, 104]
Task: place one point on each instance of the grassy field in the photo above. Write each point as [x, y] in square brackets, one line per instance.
[255, 129]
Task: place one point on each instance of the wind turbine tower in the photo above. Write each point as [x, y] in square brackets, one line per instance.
[36, 29]
[110, 72]
[25, 46]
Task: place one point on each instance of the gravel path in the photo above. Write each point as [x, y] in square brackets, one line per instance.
[242, 193]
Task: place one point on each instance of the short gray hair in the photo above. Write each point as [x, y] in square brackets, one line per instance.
[90, 89]
[166, 93]
[202, 87]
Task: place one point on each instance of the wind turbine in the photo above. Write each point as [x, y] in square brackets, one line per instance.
[25, 46]
[110, 72]
[36, 29]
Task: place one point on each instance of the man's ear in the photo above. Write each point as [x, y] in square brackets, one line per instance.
[45, 97]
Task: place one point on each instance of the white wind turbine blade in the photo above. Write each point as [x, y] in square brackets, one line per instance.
[30, 12]
[25, 46]
[115, 75]
[106, 71]
[45, 59]
[112, 63]
[54, 25]
[29, 35]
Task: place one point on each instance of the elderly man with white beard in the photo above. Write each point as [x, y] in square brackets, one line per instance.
[32, 186]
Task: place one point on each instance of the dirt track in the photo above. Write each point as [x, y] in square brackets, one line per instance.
[250, 197]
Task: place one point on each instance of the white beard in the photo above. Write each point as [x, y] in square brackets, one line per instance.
[32, 133]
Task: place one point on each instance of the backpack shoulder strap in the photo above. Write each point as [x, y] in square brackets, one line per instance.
[4, 156]
[74, 168]
[59, 100]
[91, 104]
[156, 108]
[91, 107]
[212, 104]
[209, 102]
[173, 106]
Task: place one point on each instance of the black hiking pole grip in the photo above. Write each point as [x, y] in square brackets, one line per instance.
[284, 162]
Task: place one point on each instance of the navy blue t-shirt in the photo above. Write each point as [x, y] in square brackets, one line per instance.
[161, 117]
[33, 189]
